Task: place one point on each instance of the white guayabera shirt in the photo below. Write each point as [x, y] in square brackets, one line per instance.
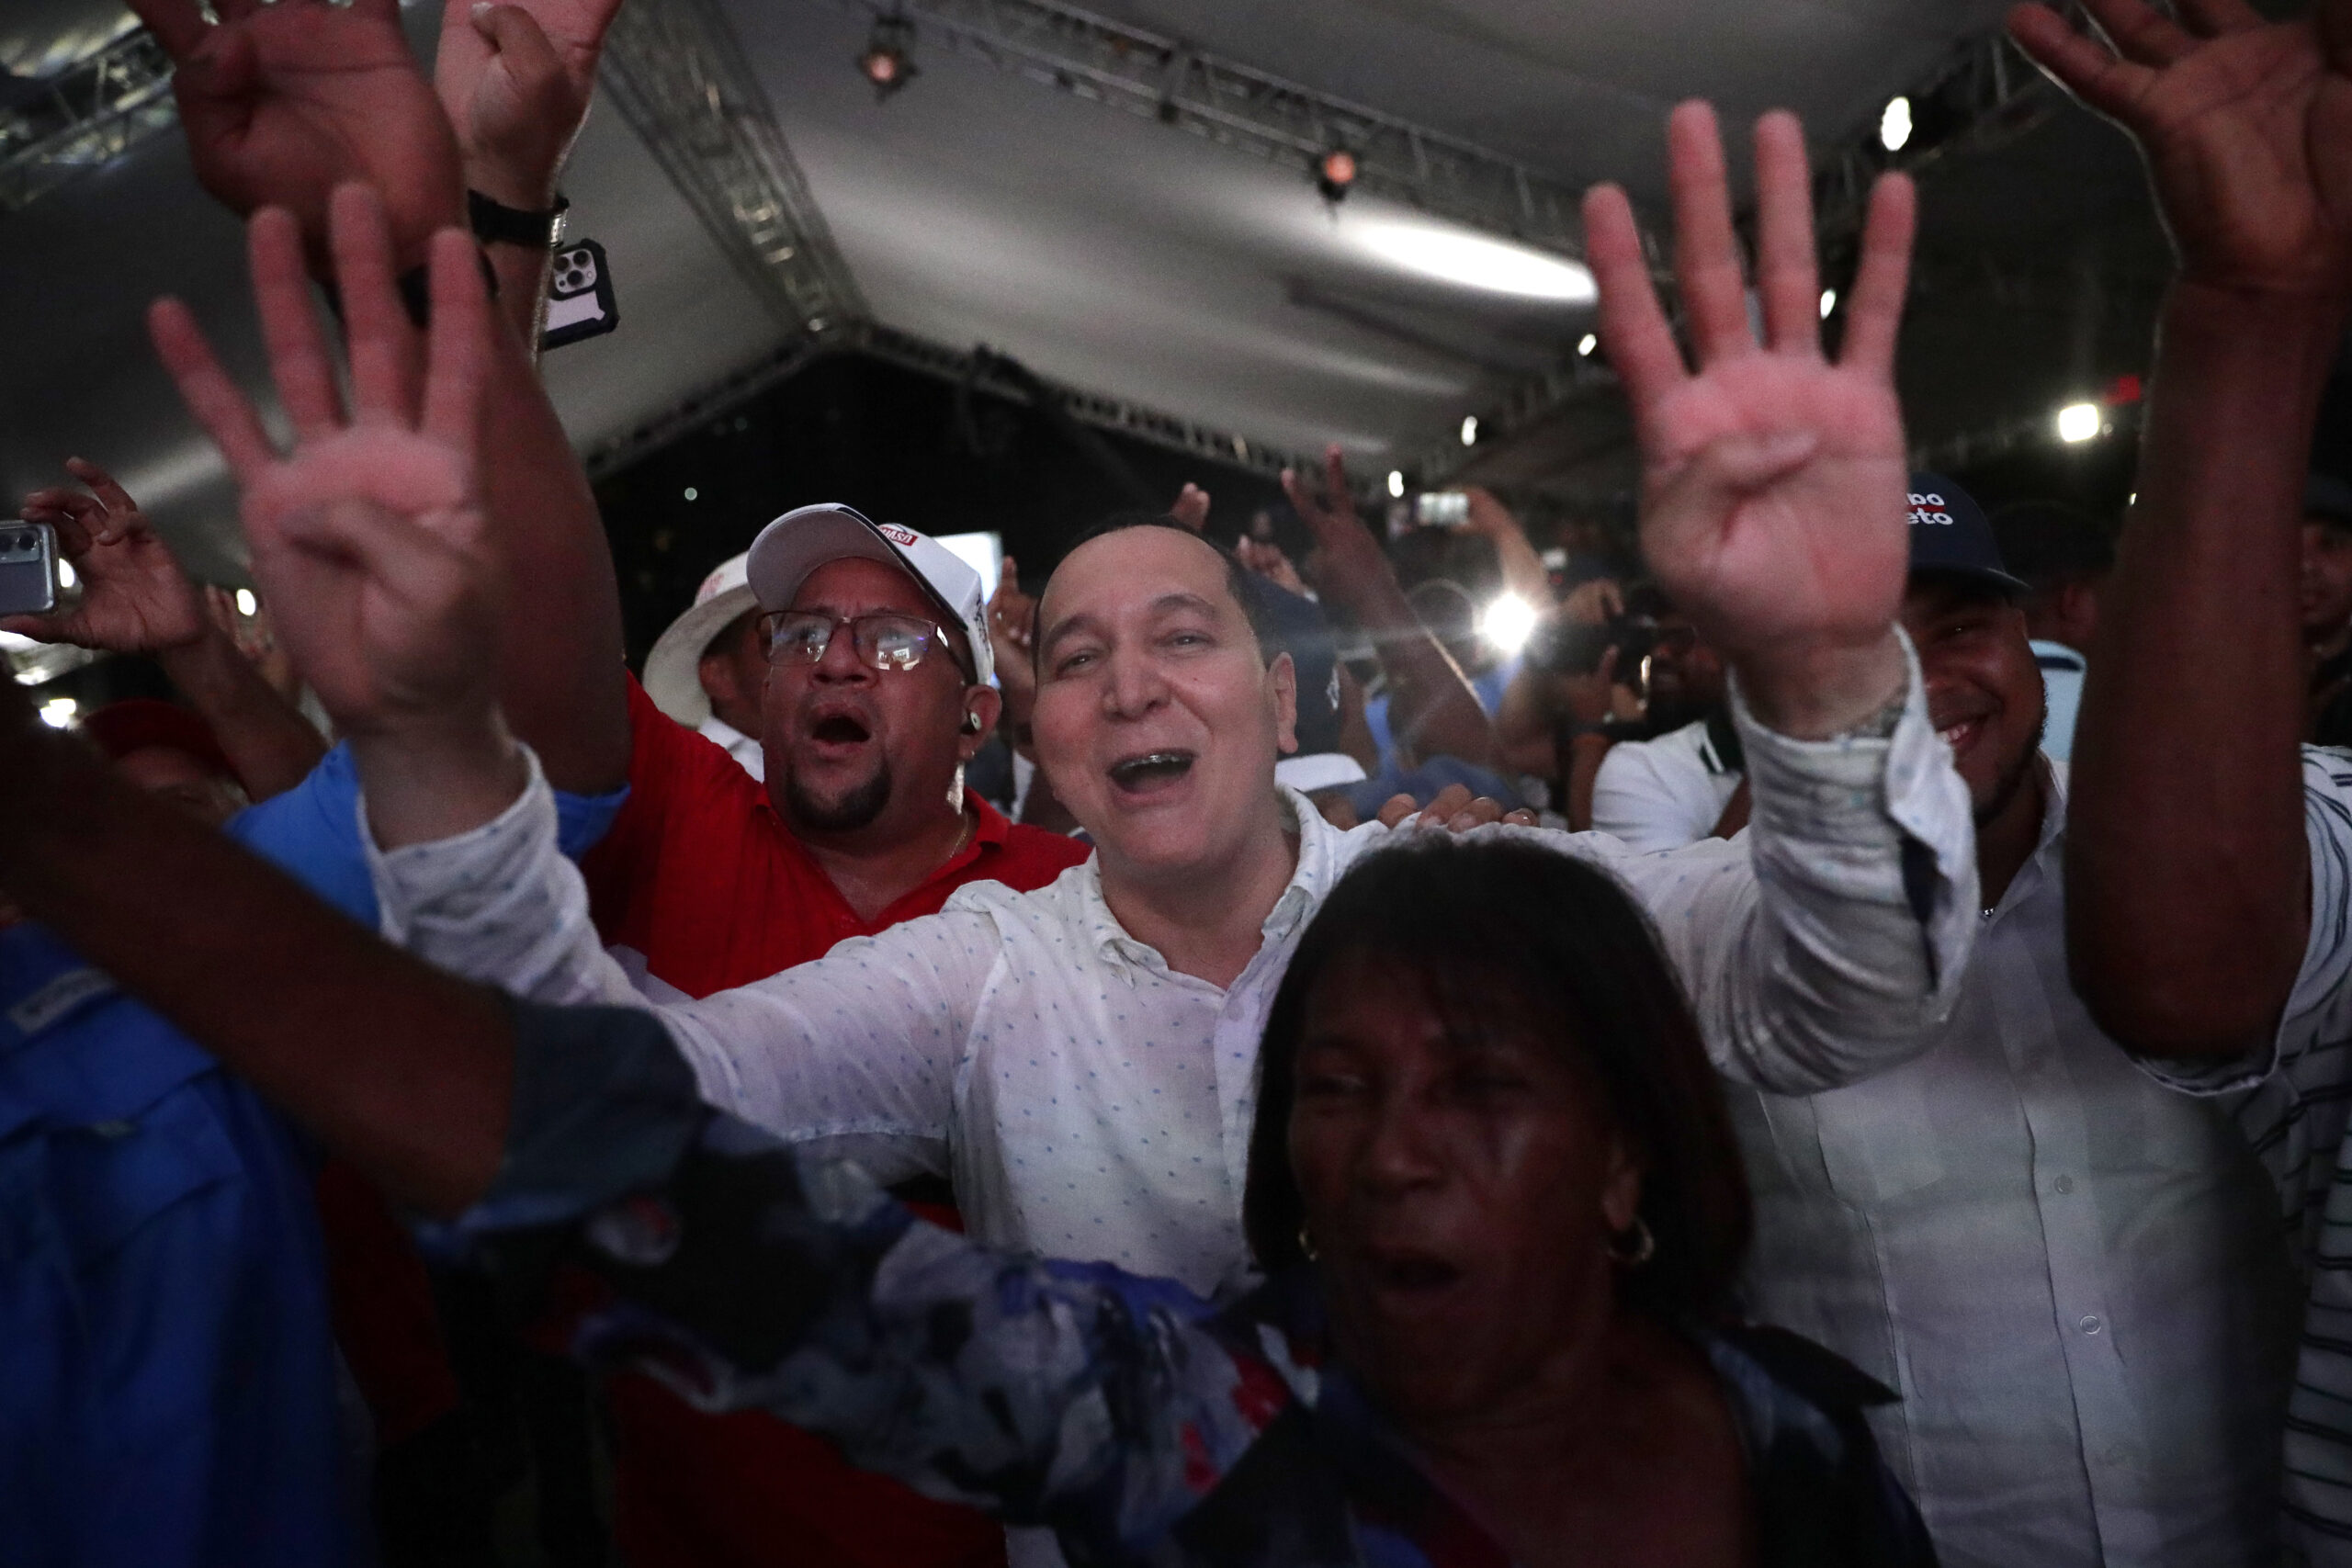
[1089, 1102]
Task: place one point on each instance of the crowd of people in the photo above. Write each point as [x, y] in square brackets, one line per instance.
[1836, 1053]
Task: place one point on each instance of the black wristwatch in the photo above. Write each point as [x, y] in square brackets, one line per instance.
[495, 223]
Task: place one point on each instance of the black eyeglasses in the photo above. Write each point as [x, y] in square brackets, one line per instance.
[884, 641]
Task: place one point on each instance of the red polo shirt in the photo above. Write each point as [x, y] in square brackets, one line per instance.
[701, 876]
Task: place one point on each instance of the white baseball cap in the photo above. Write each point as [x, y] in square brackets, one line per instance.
[801, 540]
[672, 669]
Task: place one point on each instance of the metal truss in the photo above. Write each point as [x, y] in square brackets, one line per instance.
[977, 367]
[1982, 95]
[85, 118]
[680, 79]
[1286, 123]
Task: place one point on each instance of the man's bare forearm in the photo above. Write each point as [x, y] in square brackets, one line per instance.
[2187, 876]
[268, 742]
[564, 688]
[402, 1070]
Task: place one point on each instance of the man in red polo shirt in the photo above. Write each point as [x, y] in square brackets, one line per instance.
[878, 693]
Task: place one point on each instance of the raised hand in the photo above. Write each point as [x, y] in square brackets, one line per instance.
[516, 80]
[1268, 561]
[368, 536]
[1191, 508]
[283, 102]
[1772, 479]
[1013, 631]
[2246, 126]
[135, 598]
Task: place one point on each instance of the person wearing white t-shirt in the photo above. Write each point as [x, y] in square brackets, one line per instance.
[1676, 788]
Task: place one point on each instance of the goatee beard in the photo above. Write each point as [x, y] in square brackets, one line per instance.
[856, 809]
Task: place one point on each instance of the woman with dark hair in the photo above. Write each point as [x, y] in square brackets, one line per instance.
[1499, 1212]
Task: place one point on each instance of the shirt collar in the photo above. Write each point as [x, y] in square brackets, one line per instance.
[718, 729]
[1319, 862]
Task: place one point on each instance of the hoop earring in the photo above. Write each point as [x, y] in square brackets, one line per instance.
[1634, 1245]
[1305, 1245]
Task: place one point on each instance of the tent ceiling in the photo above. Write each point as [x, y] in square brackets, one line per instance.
[1116, 255]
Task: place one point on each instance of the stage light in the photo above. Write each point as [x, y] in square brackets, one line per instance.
[693, 494]
[1894, 125]
[1470, 430]
[1395, 484]
[1506, 624]
[1456, 255]
[885, 62]
[247, 605]
[1585, 346]
[58, 711]
[1335, 174]
[1828, 302]
[2078, 422]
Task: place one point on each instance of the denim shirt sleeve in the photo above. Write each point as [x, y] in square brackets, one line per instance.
[746, 1274]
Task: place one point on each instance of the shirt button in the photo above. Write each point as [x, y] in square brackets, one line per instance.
[2089, 1324]
[2064, 1184]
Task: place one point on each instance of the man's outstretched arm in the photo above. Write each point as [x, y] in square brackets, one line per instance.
[400, 1068]
[2187, 874]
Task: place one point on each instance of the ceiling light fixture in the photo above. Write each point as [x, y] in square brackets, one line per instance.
[1475, 261]
[885, 62]
[1586, 344]
[2078, 422]
[1397, 484]
[1894, 125]
[1335, 174]
[1470, 430]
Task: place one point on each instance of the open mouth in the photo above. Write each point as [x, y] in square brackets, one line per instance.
[1962, 735]
[839, 730]
[1151, 771]
[1411, 1275]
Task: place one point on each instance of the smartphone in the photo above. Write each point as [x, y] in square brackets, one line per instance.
[28, 579]
[1442, 508]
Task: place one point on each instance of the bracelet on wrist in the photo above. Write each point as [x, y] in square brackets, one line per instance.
[495, 223]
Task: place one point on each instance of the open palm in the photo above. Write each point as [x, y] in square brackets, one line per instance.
[1772, 479]
[2246, 124]
[368, 538]
[283, 102]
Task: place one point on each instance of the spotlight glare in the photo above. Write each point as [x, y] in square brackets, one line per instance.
[247, 605]
[1506, 624]
[1587, 345]
[885, 62]
[1456, 255]
[693, 494]
[58, 711]
[1828, 302]
[1470, 430]
[2078, 422]
[1894, 125]
[1335, 173]
[1397, 484]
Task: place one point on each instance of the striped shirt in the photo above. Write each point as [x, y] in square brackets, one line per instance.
[2293, 1101]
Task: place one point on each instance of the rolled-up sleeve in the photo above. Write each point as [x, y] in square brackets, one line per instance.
[855, 1053]
[1828, 945]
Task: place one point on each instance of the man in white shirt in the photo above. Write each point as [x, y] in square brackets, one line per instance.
[1082, 1059]
[1676, 788]
[707, 669]
[2072, 1276]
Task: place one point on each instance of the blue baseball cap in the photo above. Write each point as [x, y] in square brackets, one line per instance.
[1951, 536]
